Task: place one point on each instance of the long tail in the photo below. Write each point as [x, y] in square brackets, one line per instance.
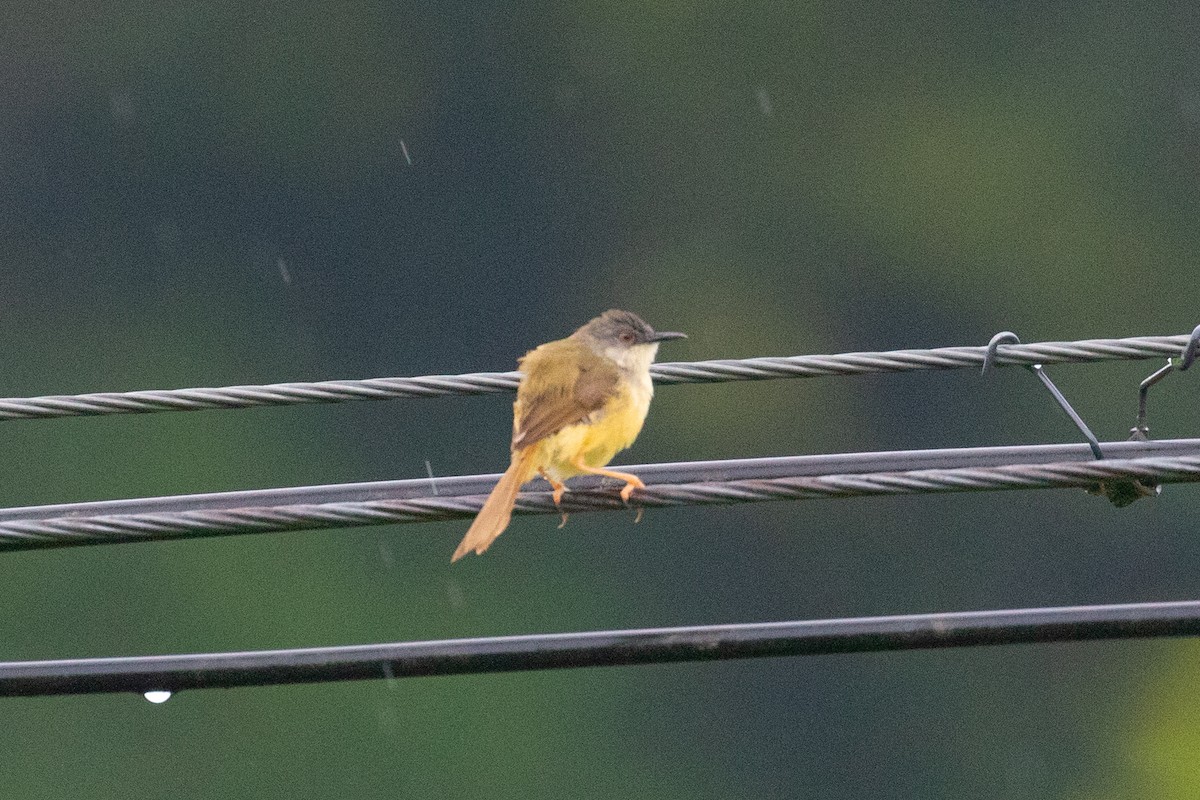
[497, 511]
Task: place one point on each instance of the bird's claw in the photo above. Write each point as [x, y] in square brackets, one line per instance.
[627, 489]
[559, 490]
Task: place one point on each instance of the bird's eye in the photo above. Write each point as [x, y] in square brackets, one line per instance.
[627, 337]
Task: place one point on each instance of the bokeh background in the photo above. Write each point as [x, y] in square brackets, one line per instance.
[216, 193]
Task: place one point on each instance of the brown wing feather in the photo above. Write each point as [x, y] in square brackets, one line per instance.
[565, 381]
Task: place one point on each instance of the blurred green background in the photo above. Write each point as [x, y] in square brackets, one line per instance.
[215, 193]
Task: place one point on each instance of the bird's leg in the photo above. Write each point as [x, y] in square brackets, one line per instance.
[631, 481]
[560, 489]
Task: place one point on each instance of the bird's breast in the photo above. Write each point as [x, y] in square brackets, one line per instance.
[607, 432]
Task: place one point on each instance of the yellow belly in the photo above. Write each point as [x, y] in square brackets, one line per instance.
[614, 429]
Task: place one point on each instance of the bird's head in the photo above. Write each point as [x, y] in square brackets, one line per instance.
[625, 338]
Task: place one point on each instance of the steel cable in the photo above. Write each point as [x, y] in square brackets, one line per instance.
[748, 369]
[65, 525]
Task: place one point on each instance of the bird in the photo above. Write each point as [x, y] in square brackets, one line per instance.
[581, 400]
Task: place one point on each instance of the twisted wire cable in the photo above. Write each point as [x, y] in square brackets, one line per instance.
[747, 369]
[667, 473]
[39, 530]
[159, 676]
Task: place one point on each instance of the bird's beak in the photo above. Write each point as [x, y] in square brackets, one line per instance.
[664, 336]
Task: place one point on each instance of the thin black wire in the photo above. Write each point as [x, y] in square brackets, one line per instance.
[748, 369]
[174, 673]
[697, 483]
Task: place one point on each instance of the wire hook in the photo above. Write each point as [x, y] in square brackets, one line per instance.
[1141, 431]
[1124, 492]
[989, 361]
[1189, 353]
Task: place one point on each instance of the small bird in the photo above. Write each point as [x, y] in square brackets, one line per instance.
[582, 400]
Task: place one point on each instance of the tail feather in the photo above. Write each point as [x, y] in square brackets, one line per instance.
[493, 518]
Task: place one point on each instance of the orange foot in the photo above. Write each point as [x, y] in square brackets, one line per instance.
[631, 481]
[560, 489]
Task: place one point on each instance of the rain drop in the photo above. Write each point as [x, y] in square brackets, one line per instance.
[764, 102]
[390, 675]
[284, 272]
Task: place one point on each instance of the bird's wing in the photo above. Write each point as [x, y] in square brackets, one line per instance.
[565, 382]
